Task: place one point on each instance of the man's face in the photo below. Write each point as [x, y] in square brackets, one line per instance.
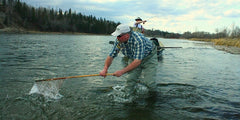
[123, 37]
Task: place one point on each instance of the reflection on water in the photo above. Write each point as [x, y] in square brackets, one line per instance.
[195, 82]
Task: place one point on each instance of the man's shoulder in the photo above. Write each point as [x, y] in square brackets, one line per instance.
[137, 33]
[137, 37]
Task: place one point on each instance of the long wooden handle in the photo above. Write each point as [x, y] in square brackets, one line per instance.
[60, 78]
[170, 47]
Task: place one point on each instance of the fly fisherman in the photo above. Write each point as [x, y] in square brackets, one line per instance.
[142, 59]
[137, 25]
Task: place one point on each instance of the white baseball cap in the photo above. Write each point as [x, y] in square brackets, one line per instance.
[122, 28]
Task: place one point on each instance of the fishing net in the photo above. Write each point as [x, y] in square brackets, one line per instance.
[49, 89]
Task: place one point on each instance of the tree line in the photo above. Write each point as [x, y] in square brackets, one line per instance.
[163, 34]
[50, 20]
[234, 32]
[43, 19]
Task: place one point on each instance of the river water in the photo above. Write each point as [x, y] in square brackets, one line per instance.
[194, 82]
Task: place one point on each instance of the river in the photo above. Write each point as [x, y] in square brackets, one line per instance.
[193, 82]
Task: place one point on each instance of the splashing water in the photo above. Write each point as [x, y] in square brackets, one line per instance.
[120, 95]
[141, 89]
[49, 89]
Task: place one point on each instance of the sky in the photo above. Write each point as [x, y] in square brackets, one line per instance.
[176, 16]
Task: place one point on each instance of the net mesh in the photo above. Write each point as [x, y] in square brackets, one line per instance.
[49, 89]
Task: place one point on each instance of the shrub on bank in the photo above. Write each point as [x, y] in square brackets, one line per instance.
[227, 42]
[221, 41]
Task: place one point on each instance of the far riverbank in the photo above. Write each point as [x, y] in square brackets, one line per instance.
[12, 30]
[225, 44]
[231, 45]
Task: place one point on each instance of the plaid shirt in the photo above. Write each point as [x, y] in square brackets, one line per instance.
[137, 47]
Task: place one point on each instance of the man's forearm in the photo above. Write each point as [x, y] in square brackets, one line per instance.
[108, 62]
[138, 22]
[132, 66]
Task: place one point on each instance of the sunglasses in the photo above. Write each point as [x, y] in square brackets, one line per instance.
[120, 35]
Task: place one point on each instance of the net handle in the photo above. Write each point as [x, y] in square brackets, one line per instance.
[60, 78]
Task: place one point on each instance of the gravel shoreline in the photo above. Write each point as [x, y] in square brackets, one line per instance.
[229, 49]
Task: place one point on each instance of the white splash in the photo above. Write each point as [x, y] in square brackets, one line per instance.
[120, 94]
[49, 89]
[34, 89]
[141, 89]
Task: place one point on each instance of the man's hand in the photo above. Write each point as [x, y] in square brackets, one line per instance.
[144, 21]
[118, 73]
[130, 67]
[103, 73]
[108, 62]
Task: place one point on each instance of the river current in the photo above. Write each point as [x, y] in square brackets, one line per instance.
[193, 82]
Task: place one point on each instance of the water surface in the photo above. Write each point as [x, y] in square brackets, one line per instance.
[195, 82]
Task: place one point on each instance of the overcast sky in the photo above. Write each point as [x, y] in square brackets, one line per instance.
[168, 15]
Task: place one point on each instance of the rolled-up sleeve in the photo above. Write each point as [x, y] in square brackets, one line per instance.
[115, 50]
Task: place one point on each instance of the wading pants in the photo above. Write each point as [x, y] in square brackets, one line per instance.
[144, 74]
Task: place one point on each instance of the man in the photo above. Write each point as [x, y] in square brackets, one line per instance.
[137, 25]
[142, 57]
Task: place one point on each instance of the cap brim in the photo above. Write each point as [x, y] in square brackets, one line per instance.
[116, 33]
